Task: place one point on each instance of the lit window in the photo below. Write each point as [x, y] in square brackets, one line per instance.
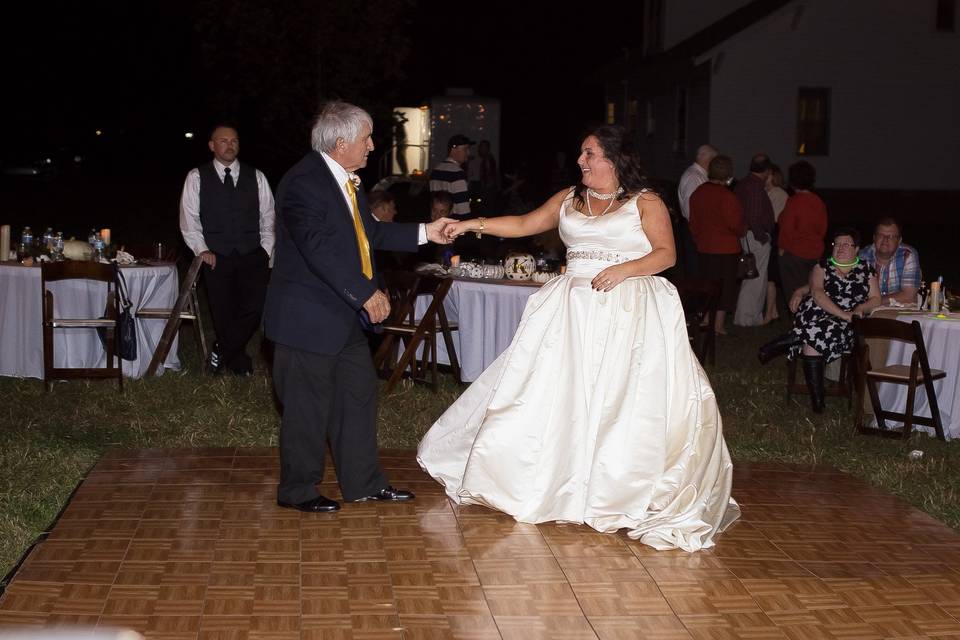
[611, 113]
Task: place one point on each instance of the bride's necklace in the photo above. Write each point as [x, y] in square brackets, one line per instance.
[612, 197]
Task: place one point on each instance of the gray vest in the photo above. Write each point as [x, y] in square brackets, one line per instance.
[230, 217]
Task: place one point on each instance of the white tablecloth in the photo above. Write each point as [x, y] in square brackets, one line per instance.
[488, 314]
[21, 312]
[942, 338]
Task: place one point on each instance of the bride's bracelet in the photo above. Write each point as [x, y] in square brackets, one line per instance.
[479, 232]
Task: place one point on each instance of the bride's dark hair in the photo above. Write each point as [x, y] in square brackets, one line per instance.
[618, 148]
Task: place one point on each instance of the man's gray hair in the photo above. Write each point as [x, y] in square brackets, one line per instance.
[338, 120]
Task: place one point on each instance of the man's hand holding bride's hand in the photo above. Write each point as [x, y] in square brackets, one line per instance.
[437, 230]
[610, 277]
[456, 228]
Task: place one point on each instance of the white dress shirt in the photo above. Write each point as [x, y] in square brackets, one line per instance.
[190, 225]
[693, 177]
[341, 175]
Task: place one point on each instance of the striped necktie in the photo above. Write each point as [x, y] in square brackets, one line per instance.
[365, 262]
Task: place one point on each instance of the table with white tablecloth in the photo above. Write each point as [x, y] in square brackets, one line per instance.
[941, 335]
[488, 314]
[21, 313]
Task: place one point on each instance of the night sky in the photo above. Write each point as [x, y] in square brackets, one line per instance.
[134, 71]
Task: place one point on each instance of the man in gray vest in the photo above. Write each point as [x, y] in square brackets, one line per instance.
[226, 218]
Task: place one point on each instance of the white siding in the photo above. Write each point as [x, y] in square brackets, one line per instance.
[894, 92]
[683, 18]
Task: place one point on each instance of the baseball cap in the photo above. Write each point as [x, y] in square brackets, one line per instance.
[459, 139]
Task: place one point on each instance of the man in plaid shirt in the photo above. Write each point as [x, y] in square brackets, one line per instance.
[897, 264]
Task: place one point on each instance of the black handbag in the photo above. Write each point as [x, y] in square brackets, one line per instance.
[746, 264]
[127, 347]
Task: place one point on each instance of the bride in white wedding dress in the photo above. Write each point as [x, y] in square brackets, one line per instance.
[598, 412]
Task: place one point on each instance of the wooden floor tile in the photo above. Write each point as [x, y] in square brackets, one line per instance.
[187, 544]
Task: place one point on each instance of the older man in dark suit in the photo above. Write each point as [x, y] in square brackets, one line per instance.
[322, 290]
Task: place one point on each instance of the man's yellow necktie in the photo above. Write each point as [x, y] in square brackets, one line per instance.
[365, 262]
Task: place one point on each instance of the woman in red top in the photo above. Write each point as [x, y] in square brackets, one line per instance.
[717, 224]
[803, 224]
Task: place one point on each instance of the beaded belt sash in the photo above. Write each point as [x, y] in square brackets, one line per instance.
[596, 254]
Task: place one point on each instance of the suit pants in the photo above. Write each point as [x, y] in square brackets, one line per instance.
[236, 289]
[327, 396]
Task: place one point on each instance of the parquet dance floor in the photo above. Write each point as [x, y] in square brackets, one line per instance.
[190, 544]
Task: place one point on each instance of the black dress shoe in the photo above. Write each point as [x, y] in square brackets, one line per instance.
[389, 493]
[320, 504]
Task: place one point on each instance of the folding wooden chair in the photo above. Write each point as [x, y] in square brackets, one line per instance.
[840, 388]
[404, 288]
[918, 372]
[700, 298]
[187, 307]
[75, 270]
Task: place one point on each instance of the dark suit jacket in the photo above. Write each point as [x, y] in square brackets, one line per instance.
[317, 287]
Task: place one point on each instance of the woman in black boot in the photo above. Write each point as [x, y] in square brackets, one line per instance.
[840, 287]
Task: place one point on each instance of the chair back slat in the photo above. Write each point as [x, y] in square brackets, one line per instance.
[76, 270]
[886, 328]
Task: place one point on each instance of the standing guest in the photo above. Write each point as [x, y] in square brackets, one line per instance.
[758, 213]
[449, 175]
[778, 198]
[694, 176]
[608, 421]
[803, 225]
[322, 291]
[717, 224]
[841, 287]
[897, 264]
[226, 218]
[383, 205]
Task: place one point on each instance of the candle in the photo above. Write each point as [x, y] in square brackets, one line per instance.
[454, 261]
[934, 297]
[4, 243]
[105, 236]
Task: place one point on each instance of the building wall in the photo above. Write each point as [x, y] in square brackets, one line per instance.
[683, 18]
[895, 93]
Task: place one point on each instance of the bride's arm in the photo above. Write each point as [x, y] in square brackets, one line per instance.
[543, 218]
[659, 231]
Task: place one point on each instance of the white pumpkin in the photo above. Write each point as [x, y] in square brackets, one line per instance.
[493, 271]
[471, 270]
[519, 266]
[544, 276]
[77, 250]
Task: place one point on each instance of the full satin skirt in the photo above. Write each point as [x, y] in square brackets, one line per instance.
[598, 413]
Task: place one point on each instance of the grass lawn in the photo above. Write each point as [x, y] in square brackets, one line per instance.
[51, 440]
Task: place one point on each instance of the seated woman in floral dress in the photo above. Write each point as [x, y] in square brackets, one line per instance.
[840, 287]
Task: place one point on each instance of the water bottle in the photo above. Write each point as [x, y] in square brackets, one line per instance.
[92, 238]
[48, 238]
[97, 247]
[58, 245]
[26, 243]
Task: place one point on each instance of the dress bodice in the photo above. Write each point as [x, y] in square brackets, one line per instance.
[593, 242]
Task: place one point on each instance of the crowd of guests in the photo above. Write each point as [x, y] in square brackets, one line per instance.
[785, 229]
